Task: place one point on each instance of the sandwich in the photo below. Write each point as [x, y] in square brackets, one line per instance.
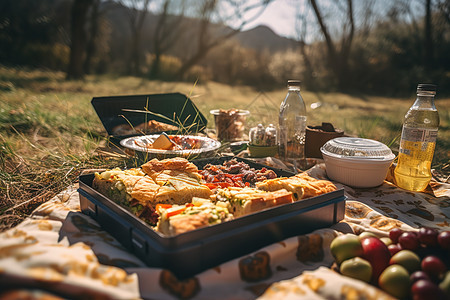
[171, 181]
[301, 185]
[180, 176]
[131, 189]
[247, 200]
[176, 219]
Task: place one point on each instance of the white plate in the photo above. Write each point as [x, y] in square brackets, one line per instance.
[137, 143]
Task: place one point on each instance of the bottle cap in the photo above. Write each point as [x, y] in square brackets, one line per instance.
[293, 83]
[426, 87]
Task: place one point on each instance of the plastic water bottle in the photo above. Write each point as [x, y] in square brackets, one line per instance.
[418, 140]
[292, 127]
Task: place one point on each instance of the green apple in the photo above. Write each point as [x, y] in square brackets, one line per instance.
[346, 246]
[387, 241]
[445, 284]
[357, 268]
[365, 234]
[408, 259]
[395, 281]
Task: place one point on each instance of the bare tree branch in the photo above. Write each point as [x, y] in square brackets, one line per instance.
[205, 40]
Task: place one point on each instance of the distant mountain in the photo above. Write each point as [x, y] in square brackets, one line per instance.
[258, 38]
[262, 37]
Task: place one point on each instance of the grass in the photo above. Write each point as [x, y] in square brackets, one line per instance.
[49, 131]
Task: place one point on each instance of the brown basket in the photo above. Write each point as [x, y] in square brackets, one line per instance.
[317, 136]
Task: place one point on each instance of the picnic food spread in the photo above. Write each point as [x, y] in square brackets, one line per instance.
[391, 250]
[175, 196]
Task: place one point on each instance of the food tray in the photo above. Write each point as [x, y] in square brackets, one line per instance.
[190, 253]
[171, 108]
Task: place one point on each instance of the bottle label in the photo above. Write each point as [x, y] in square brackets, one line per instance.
[419, 135]
[416, 139]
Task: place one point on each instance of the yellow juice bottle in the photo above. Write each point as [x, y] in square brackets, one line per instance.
[418, 141]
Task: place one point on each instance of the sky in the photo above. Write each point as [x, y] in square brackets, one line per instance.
[280, 16]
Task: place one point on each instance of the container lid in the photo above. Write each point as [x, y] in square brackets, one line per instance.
[170, 108]
[357, 148]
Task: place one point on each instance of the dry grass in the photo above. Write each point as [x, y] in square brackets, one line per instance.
[49, 131]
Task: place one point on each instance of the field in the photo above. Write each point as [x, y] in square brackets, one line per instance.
[49, 131]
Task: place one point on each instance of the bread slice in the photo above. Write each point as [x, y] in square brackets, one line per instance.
[131, 189]
[179, 177]
[301, 185]
[156, 166]
[244, 201]
[291, 184]
[183, 218]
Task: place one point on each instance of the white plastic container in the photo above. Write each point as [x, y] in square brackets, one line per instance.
[357, 162]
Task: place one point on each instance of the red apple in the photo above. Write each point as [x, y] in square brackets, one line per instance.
[377, 254]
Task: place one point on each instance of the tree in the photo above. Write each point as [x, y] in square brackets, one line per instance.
[167, 31]
[302, 30]
[338, 58]
[78, 38]
[429, 51]
[93, 34]
[210, 11]
[137, 12]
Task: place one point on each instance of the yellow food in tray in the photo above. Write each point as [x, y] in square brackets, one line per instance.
[176, 219]
[301, 185]
[140, 192]
[244, 201]
[172, 195]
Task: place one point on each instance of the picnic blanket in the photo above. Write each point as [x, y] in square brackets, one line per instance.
[58, 252]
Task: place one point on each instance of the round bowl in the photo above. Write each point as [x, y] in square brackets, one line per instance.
[140, 145]
[357, 162]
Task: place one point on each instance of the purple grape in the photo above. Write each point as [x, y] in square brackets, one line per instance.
[394, 234]
[444, 240]
[426, 290]
[433, 266]
[419, 275]
[428, 236]
[408, 240]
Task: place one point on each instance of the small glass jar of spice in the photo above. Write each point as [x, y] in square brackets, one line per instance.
[263, 141]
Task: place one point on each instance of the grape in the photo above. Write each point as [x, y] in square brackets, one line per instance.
[433, 266]
[394, 248]
[427, 290]
[419, 275]
[428, 236]
[394, 234]
[444, 240]
[408, 240]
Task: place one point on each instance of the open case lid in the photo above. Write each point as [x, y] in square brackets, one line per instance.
[176, 108]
